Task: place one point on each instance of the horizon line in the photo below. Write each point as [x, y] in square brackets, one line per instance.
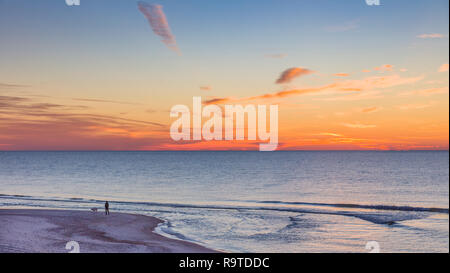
[353, 150]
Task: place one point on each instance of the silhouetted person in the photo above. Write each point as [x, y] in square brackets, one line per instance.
[106, 208]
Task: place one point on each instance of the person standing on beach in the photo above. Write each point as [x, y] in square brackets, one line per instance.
[106, 208]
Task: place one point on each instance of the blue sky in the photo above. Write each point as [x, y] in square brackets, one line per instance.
[226, 33]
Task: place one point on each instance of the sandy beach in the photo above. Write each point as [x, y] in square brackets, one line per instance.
[29, 230]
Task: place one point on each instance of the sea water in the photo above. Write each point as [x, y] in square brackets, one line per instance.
[292, 201]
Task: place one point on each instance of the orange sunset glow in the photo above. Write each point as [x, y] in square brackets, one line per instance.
[88, 90]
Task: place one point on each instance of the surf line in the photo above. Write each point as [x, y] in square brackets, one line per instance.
[232, 120]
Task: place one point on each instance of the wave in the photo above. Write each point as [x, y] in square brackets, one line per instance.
[378, 214]
[166, 229]
[358, 206]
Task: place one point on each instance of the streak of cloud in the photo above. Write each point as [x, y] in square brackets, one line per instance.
[289, 74]
[379, 82]
[104, 101]
[430, 36]
[281, 94]
[206, 88]
[369, 95]
[372, 109]
[25, 107]
[341, 74]
[425, 92]
[328, 134]
[158, 22]
[7, 85]
[359, 125]
[354, 87]
[29, 124]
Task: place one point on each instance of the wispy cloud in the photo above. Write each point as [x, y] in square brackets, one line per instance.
[29, 124]
[443, 68]
[359, 125]
[18, 105]
[354, 87]
[289, 74]
[341, 74]
[385, 67]
[430, 36]
[206, 88]
[372, 109]
[425, 92]
[368, 95]
[328, 134]
[158, 22]
[281, 94]
[26, 107]
[8, 85]
[7, 100]
[378, 82]
[104, 101]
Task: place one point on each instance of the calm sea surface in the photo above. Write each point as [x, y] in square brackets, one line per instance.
[251, 201]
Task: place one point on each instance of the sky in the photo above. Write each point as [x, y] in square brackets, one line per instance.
[104, 75]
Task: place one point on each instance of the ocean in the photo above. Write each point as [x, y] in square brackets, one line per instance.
[240, 201]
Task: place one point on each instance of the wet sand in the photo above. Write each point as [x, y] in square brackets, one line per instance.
[29, 230]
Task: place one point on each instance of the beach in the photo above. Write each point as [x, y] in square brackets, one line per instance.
[48, 231]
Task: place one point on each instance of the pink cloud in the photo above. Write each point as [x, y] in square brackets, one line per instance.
[158, 22]
[430, 36]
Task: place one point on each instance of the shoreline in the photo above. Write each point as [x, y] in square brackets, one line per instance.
[48, 231]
